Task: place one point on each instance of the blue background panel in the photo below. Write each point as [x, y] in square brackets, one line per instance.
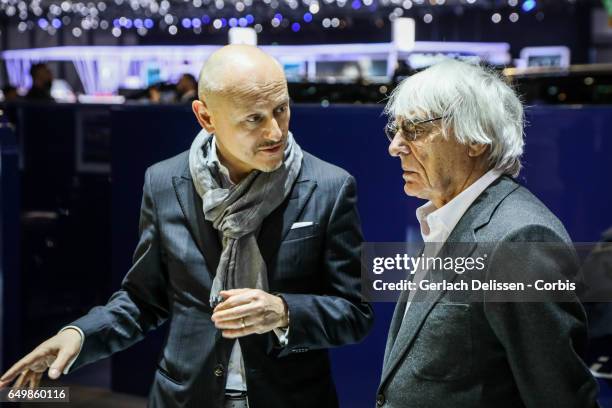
[567, 159]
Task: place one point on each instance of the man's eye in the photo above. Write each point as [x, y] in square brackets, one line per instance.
[408, 129]
[254, 119]
[281, 109]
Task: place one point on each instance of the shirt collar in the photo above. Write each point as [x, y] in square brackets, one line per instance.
[223, 172]
[437, 224]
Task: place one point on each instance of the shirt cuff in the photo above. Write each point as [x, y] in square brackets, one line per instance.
[71, 362]
[282, 333]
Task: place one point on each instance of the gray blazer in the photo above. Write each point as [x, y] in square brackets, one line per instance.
[315, 268]
[449, 352]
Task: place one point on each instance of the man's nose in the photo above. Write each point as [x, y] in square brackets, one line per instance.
[273, 131]
[398, 146]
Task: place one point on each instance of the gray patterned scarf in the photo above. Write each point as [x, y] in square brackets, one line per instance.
[239, 211]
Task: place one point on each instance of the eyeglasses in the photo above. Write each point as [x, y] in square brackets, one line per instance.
[410, 130]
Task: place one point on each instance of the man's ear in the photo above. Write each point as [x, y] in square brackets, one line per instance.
[477, 149]
[203, 116]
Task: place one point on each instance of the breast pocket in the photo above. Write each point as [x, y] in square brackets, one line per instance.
[442, 350]
[302, 232]
[299, 256]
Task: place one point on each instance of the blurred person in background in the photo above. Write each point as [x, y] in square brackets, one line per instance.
[10, 94]
[401, 72]
[42, 80]
[187, 89]
[153, 94]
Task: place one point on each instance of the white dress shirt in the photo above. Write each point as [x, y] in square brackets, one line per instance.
[438, 223]
[236, 378]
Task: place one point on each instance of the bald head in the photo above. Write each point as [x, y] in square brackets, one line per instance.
[244, 102]
[238, 69]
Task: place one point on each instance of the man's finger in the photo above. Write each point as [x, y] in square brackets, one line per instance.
[26, 379]
[234, 313]
[4, 384]
[233, 292]
[57, 368]
[234, 300]
[236, 333]
[22, 364]
[35, 381]
[30, 378]
[21, 379]
[238, 323]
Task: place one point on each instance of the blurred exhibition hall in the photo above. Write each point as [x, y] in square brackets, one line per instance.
[93, 92]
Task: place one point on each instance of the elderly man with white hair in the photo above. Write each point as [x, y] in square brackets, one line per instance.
[457, 129]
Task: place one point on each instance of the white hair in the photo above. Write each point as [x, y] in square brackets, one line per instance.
[476, 104]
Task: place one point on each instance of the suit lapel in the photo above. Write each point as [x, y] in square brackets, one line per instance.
[398, 315]
[202, 231]
[408, 325]
[410, 322]
[396, 322]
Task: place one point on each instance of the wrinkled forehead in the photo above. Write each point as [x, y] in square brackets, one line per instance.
[262, 93]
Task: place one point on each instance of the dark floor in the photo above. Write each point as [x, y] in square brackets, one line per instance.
[89, 387]
[92, 397]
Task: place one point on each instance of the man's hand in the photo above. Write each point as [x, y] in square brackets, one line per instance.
[249, 311]
[55, 353]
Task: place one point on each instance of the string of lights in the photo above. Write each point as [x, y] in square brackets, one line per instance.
[201, 16]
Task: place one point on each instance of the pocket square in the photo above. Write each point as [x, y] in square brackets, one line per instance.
[301, 224]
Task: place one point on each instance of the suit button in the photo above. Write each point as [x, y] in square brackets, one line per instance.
[380, 400]
[219, 370]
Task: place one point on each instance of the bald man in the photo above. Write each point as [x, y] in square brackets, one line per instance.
[248, 245]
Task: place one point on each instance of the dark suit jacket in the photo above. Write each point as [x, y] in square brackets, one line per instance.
[316, 269]
[452, 353]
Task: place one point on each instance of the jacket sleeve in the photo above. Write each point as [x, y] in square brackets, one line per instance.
[142, 302]
[339, 316]
[543, 340]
